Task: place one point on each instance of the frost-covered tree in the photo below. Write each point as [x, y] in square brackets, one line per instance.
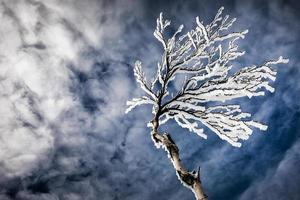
[199, 61]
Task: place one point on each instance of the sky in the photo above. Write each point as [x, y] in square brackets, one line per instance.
[66, 72]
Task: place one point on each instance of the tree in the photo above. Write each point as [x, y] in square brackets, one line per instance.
[199, 61]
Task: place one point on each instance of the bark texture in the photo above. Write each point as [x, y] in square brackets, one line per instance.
[189, 179]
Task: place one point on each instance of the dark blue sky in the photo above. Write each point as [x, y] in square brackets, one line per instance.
[66, 74]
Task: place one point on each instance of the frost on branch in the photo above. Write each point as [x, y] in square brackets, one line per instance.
[203, 57]
[141, 79]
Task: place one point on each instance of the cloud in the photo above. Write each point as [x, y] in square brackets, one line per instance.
[44, 48]
[280, 182]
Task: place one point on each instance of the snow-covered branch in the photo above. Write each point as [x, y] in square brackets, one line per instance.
[138, 101]
[249, 81]
[200, 60]
[203, 57]
[141, 79]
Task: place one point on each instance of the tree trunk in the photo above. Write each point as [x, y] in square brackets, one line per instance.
[190, 180]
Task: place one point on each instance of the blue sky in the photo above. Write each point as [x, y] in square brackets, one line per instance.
[66, 74]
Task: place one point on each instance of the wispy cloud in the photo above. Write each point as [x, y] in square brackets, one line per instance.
[53, 74]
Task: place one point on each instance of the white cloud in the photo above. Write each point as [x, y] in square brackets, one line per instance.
[39, 42]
